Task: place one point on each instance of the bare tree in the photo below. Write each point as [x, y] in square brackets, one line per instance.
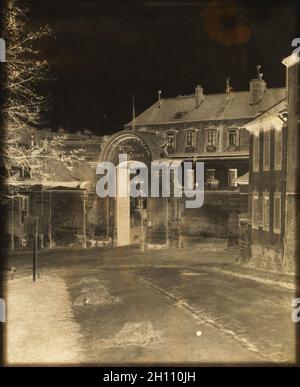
[25, 102]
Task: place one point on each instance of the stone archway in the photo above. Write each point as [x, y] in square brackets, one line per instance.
[126, 214]
[128, 143]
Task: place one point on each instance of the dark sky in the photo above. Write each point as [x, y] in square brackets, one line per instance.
[106, 51]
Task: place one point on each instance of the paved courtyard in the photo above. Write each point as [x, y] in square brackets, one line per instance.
[126, 306]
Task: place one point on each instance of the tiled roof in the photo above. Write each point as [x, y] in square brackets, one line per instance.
[55, 174]
[269, 118]
[213, 107]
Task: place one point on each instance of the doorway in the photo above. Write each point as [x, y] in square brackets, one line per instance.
[131, 214]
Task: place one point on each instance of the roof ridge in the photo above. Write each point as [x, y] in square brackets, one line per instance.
[209, 109]
[266, 111]
[218, 93]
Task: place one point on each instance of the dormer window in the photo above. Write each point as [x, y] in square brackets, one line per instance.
[179, 115]
[212, 139]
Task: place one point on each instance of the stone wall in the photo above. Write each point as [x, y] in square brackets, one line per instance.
[292, 234]
[266, 258]
[207, 221]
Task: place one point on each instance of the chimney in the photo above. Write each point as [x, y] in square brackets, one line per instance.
[228, 87]
[257, 87]
[159, 98]
[199, 95]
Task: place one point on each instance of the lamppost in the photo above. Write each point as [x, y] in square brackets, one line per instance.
[50, 220]
[107, 217]
[142, 224]
[84, 219]
[167, 220]
[35, 247]
[179, 222]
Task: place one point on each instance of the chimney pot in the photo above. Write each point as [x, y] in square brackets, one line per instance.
[258, 87]
[159, 98]
[199, 95]
[228, 87]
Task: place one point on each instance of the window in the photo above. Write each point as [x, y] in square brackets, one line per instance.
[256, 152]
[278, 150]
[255, 209]
[189, 138]
[32, 139]
[267, 150]
[210, 175]
[211, 140]
[211, 182]
[266, 211]
[179, 115]
[277, 213]
[171, 140]
[232, 139]
[212, 137]
[24, 204]
[24, 208]
[232, 175]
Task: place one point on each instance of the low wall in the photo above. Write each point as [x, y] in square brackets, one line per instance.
[266, 258]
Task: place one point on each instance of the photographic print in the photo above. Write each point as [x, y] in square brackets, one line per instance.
[149, 184]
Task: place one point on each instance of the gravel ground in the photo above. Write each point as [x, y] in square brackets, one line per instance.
[40, 326]
[121, 306]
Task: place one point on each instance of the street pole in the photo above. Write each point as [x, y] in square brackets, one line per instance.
[42, 233]
[12, 224]
[167, 222]
[107, 217]
[84, 220]
[50, 219]
[35, 248]
[179, 223]
[142, 224]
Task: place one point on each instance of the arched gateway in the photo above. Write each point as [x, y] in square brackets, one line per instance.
[134, 145]
[126, 217]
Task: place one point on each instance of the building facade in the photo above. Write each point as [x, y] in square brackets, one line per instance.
[274, 180]
[60, 209]
[198, 127]
[62, 199]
